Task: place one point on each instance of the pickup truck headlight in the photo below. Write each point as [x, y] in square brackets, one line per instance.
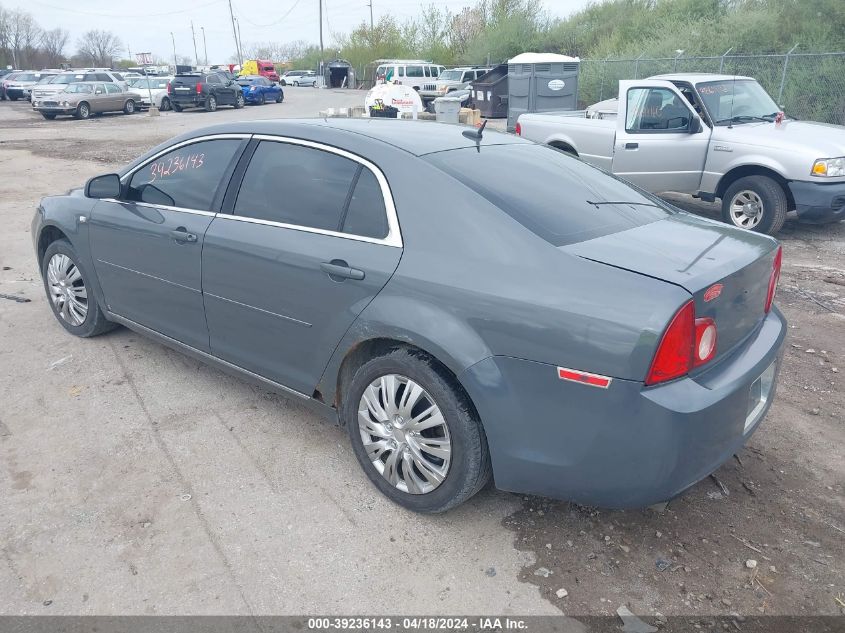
[829, 167]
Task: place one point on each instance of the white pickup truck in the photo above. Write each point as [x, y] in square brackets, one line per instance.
[712, 136]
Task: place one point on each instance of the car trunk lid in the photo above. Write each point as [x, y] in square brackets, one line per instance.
[726, 271]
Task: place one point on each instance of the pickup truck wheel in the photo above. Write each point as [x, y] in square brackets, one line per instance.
[210, 103]
[415, 433]
[756, 203]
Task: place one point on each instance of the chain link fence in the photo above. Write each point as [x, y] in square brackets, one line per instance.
[809, 86]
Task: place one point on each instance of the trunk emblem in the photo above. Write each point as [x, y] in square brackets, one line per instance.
[713, 292]
[585, 378]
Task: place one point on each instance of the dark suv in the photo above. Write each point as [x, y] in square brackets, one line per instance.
[204, 91]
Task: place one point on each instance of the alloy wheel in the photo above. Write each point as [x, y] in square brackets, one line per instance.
[746, 209]
[67, 289]
[405, 434]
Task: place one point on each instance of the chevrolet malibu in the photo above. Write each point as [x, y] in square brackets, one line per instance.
[548, 325]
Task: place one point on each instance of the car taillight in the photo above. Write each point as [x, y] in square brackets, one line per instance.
[169, 88]
[687, 343]
[774, 278]
[518, 129]
[199, 87]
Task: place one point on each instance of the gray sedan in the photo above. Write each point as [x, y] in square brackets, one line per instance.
[549, 327]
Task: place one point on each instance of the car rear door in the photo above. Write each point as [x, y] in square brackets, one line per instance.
[285, 276]
[115, 96]
[147, 246]
[658, 146]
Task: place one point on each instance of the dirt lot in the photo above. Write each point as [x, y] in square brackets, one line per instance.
[136, 480]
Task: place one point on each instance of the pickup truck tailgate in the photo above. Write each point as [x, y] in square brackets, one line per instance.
[697, 254]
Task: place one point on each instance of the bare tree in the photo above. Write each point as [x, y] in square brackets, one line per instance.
[100, 47]
[23, 34]
[53, 43]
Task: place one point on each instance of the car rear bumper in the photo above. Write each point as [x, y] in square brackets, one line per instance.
[819, 202]
[17, 93]
[187, 101]
[627, 445]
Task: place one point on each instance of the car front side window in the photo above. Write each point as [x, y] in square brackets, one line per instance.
[187, 177]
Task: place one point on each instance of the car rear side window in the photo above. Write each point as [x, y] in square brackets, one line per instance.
[187, 177]
[366, 214]
[112, 88]
[103, 77]
[552, 194]
[315, 184]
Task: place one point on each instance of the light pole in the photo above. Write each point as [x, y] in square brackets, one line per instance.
[204, 47]
[175, 62]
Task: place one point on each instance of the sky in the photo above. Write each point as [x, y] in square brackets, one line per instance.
[146, 26]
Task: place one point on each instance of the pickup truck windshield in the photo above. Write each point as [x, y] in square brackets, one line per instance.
[556, 196]
[740, 101]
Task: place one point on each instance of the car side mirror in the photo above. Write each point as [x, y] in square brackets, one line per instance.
[694, 124]
[105, 186]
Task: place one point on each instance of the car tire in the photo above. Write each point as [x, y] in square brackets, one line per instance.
[83, 110]
[176, 107]
[283, 82]
[458, 476]
[240, 101]
[280, 97]
[756, 203]
[296, 83]
[165, 104]
[64, 275]
[129, 107]
[262, 99]
[210, 103]
[48, 116]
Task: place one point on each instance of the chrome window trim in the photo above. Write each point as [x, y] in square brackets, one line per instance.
[394, 234]
[162, 207]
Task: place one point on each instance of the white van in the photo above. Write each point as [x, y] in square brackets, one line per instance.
[408, 72]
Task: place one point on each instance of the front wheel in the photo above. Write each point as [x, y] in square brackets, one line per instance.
[83, 111]
[756, 203]
[296, 83]
[415, 433]
[176, 107]
[71, 297]
[280, 97]
[129, 107]
[262, 99]
[210, 103]
[240, 101]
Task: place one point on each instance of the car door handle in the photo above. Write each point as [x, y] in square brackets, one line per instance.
[631, 145]
[339, 270]
[181, 235]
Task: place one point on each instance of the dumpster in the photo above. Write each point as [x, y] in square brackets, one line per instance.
[447, 109]
[540, 82]
[490, 93]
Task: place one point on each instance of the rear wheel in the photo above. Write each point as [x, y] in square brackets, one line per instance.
[415, 433]
[83, 111]
[756, 203]
[210, 103]
[129, 107]
[280, 97]
[296, 83]
[48, 116]
[176, 107]
[240, 101]
[165, 104]
[71, 297]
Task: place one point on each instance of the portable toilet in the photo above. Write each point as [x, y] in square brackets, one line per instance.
[540, 82]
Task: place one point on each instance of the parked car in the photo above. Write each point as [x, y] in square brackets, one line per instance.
[308, 79]
[597, 345]
[260, 90]
[204, 90]
[262, 67]
[712, 136]
[58, 84]
[157, 86]
[451, 80]
[292, 75]
[9, 76]
[82, 99]
[19, 85]
[408, 72]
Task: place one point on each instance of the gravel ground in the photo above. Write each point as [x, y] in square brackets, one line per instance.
[135, 480]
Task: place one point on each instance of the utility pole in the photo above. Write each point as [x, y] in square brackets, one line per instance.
[235, 34]
[204, 47]
[372, 25]
[320, 79]
[194, 37]
[175, 61]
[240, 39]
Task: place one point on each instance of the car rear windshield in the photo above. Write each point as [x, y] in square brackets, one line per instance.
[554, 195]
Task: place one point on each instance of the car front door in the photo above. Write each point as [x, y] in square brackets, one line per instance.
[285, 276]
[659, 145]
[147, 246]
